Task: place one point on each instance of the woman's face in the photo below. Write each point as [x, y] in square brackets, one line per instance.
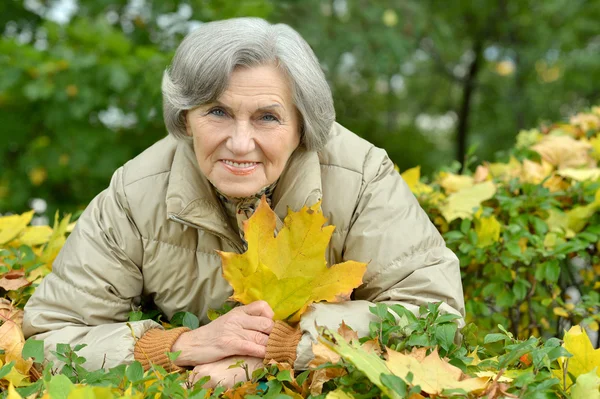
[244, 139]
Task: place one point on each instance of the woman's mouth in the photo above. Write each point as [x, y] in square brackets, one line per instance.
[239, 168]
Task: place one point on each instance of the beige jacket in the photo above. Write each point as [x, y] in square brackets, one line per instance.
[154, 231]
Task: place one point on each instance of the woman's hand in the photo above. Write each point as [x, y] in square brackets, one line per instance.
[220, 373]
[244, 331]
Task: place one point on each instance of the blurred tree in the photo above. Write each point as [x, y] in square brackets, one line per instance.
[422, 78]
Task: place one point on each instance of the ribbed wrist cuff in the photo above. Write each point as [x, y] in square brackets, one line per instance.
[282, 343]
[153, 346]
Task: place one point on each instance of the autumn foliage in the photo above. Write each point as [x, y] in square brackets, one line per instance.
[525, 229]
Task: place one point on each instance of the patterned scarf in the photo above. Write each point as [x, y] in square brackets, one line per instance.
[244, 207]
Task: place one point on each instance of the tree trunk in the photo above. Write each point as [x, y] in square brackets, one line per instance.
[469, 86]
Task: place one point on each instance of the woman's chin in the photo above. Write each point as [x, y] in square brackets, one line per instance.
[239, 190]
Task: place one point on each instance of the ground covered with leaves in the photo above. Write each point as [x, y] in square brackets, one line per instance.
[525, 229]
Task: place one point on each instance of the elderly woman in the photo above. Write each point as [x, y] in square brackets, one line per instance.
[249, 113]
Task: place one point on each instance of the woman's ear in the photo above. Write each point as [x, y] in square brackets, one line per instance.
[188, 130]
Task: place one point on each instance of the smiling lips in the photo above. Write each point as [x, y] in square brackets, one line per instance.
[239, 168]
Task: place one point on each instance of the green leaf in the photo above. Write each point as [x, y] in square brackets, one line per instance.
[134, 372]
[173, 356]
[35, 349]
[302, 377]
[394, 383]
[136, 315]
[552, 271]
[59, 387]
[6, 369]
[191, 321]
[491, 338]
[79, 347]
[465, 226]
[445, 334]
[284, 375]
[448, 317]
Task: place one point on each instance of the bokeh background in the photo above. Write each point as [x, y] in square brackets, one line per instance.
[430, 81]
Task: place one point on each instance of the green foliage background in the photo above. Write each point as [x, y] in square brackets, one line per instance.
[421, 78]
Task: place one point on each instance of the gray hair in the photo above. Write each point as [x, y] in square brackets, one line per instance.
[207, 56]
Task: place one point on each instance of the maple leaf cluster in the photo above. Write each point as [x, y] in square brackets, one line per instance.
[289, 271]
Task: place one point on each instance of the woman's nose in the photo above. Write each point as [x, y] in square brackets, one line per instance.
[241, 139]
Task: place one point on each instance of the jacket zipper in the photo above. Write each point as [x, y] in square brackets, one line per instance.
[185, 222]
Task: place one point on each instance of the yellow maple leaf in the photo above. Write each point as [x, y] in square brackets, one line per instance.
[56, 240]
[463, 203]
[13, 225]
[487, 228]
[433, 374]
[585, 358]
[34, 236]
[289, 271]
[412, 177]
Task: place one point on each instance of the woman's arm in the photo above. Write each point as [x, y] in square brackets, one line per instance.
[408, 259]
[95, 281]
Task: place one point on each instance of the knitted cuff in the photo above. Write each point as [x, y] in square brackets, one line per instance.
[282, 343]
[152, 348]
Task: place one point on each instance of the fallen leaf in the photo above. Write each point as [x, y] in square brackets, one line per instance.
[535, 173]
[13, 280]
[492, 376]
[35, 235]
[481, 174]
[433, 374]
[9, 312]
[412, 177]
[585, 358]
[585, 121]
[289, 271]
[56, 241]
[592, 174]
[505, 171]
[247, 388]
[564, 152]
[587, 386]
[11, 226]
[452, 183]
[12, 393]
[338, 394]
[595, 143]
[12, 341]
[463, 203]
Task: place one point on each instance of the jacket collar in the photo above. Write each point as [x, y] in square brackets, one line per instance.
[191, 199]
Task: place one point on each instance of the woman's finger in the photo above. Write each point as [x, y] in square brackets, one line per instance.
[258, 308]
[255, 323]
[249, 348]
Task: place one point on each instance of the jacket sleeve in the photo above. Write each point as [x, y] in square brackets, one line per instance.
[95, 281]
[408, 262]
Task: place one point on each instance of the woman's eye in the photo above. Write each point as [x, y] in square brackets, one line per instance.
[217, 112]
[269, 118]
